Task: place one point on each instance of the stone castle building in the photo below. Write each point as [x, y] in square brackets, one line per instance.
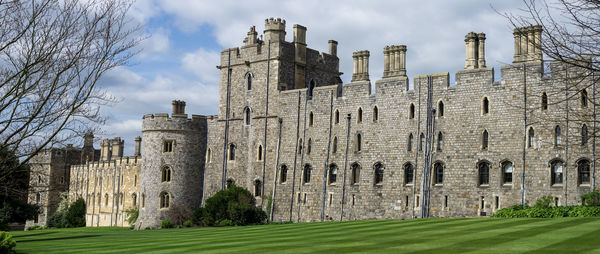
[287, 128]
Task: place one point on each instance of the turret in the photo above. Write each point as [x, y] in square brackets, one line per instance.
[105, 153]
[117, 147]
[274, 29]
[361, 65]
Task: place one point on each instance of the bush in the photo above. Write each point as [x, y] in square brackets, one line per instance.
[544, 202]
[187, 223]
[75, 215]
[591, 199]
[235, 204]
[225, 223]
[7, 243]
[198, 216]
[166, 224]
[179, 214]
[548, 212]
[31, 228]
[57, 220]
[132, 215]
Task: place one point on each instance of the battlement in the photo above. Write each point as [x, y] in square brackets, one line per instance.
[274, 29]
[178, 121]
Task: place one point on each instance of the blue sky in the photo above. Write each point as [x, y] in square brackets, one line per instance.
[178, 59]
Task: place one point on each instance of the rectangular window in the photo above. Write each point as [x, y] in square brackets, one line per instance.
[497, 202]
[330, 198]
[446, 201]
[168, 146]
[353, 199]
[482, 205]
[304, 201]
[418, 203]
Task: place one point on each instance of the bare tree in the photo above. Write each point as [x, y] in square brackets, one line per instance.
[52, 55]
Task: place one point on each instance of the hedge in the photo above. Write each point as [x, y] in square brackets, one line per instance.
[548, 212]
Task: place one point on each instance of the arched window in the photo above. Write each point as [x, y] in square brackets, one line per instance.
[333, 170]
[247, 116]
[311, 119]
[440, 109]
[544, 101]
[311, 87]
[438, 170]
[355, 173]
[507, 170]
[106, 199]
[484, 173]
[249, 81]
[230, 182]
[306, 173]
[39, 179]
[164, 200]
[485, 106]
[557, 135]
[166, 174]
[335, 141]
[421, 142]
[231, 152]
[411, 111]
[37, 198]
[440, 141]
[283, 174]
[584, 135]
[409, 172]
[337, 116]
[584, 98]
[257, 188]
[309, 146]
[378, 168]
[375, 114]
[300, 146]
[409, 144]
[484, 140]
[358, 142]
[208, 155]
[143, 200]
[531, 138]
[359, 115]
[583, 172]
[259, 153]
[556, 172]
[134, 199]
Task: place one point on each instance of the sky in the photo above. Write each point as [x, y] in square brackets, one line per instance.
[185, 37]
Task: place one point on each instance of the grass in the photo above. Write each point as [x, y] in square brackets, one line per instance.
[489, 235]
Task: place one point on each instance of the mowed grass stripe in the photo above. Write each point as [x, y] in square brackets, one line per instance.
[413, 236]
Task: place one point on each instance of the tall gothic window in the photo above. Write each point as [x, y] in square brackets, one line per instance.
[584, 98]
[249, 81]
[531, 138]
[544, 101]
[378, 167]
[311, 119]
[583, 172]
[484, 173]
[334, 148]
[306, 173]
[557, 135]
[283, 174]
[556, 172]
[358, 142]
[438, 170]
[584, 135]
[247, 116]
[409, 172]
[337, 117]
[311, 87]
[257, 188]
[484, 140]
[333, 171]
[375, 114]
[440, 109]
[166, 174]
[355, 173]
[507, 170]
[359, 115]
[485, 106]
[259, 153]
[440, 141]
[411, 111]
[309, 146]
[164, 200]
[421, 142]
[231, 152]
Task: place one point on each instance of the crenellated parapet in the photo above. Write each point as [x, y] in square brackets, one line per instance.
[274, 29]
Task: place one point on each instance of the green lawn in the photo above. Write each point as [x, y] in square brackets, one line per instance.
[489, 235]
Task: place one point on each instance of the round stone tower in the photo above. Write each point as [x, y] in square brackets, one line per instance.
[172, 166]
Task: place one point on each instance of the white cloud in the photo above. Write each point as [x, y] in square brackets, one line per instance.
[156, 45]
[202, 63]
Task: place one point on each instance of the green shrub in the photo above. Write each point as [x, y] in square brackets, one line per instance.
[544, 202]
[235, 204]
[198, 216]
[7, 243]
[75, 215]
[132, 214]
[57, 220]
[166, 224]
[31, 228]
[548, 212]
[225, 223]
[187, 223]
[591, 198]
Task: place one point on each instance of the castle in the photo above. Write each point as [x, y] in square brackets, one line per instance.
[288, 129]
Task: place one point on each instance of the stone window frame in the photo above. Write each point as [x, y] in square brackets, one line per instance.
[483, 173]
[283, 174]
[300, 146]
[259, 153]
[375, 114]
[378, 173]
[421, 142]
[355, 168]
[337, 116]
[503, 181]
[552, 173]
[164, 200]
[359, 115]
[257, 184]
[134, 199]
[38, 198]
[440, 141]
[358, 142]
[306, 173]
[557, 135]
[309, 146]
[531, 137]
[168, 146]
[247, 113]
[332, 174]
[544, 101]
[406, 173]
[584, 135]
[334, 146]
[231, 152]
[411, 111]
[584, 98]
[410, 142]
[166, 174]
[485, 140]
[435, 179]
[580, 174]
[311, 119]
[440, 108]
[208, 155]
[248, 80]
[485, 105]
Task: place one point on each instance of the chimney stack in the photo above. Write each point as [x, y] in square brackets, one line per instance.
[394, 58]
[333, 47]
[475, 51]
[361, 65]
[527, 44]
[178, 107]
[138, 146]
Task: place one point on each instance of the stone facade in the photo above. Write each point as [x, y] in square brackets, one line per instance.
[328, 151]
